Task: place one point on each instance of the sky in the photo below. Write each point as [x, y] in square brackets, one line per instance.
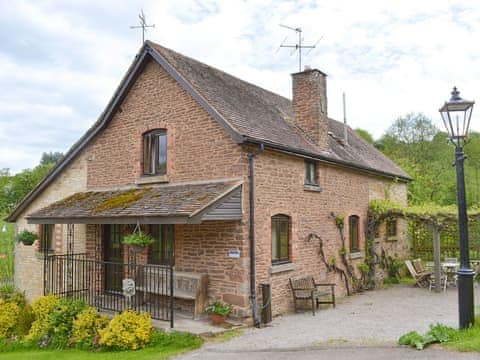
[61, 61]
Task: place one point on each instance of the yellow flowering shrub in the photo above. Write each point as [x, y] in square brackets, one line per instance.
[42, 308]
[9, 312]
[127, 331]
[86, 327]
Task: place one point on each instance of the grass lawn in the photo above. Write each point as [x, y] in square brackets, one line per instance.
[466, 340]
[6, 250]
[176, 344]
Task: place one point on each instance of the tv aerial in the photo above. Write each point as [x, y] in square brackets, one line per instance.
[143, 24]
[298, 46]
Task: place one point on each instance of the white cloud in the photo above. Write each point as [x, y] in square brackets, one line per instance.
[66, 58]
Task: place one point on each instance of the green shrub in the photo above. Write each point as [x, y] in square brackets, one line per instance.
[60, 321]
[391, 280]
[9, 312]
[127, 331]
[86, 328]
[24, 321]
[437, 334]
[9, 293]
[41, 308]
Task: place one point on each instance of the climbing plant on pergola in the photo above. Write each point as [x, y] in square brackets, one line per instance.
[434, 217]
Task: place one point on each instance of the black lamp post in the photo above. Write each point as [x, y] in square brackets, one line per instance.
[456, 114]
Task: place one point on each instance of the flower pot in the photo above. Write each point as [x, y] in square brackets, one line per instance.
[217, 319]
[27, 242]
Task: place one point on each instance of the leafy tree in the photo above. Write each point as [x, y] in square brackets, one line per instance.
[50, 157]
[365, 135]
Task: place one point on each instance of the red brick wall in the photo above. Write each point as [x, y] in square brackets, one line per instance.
[280, 190]
[204, 248]
[198, 148]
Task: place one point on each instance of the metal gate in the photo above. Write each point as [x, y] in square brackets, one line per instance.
[145, 287]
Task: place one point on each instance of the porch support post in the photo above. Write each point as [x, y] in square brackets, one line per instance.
[70, 247]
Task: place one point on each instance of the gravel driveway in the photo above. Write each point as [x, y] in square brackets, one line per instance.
[374, 318]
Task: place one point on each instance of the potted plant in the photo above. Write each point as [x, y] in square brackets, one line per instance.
[218, 312]
[27, 237]
[137, 241]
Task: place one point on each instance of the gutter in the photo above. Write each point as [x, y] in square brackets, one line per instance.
[251, 235]
[295, 152]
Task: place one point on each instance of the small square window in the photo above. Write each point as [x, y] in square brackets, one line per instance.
[391, 228]
[310, 173]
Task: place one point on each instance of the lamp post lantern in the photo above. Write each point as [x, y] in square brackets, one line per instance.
[456, 114]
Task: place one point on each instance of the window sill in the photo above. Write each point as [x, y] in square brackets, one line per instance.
[314, 188]
[151, 179]
[355, 255]
[275, 269]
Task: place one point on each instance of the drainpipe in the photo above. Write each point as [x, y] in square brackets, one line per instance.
[253, 292]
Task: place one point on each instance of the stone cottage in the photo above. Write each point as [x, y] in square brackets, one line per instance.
[236, 185]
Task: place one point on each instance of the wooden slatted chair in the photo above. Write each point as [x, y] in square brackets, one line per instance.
[305, 288]
[421, 279]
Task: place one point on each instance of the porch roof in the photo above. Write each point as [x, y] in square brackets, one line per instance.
[179, 203]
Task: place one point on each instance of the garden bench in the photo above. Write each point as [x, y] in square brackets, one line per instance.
[305, 288]
[186, 285]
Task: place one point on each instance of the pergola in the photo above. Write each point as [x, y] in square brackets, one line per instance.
[433, 217]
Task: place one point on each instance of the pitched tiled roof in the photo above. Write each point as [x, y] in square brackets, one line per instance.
[249, 112]
[259, 114]
[182, 201]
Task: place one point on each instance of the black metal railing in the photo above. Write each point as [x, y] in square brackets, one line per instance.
[111, 286]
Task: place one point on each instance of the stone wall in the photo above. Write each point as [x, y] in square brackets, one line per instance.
[29, 259]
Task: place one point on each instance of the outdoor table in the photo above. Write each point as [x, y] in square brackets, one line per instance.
[450, 269]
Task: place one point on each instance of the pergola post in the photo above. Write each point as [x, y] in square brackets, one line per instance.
[435, 230]
[436, 257]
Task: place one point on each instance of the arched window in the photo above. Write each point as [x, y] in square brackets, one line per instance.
[155, 152]
[353, 228]
[280, 239]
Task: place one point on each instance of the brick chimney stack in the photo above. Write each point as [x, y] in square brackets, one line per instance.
[310, 104]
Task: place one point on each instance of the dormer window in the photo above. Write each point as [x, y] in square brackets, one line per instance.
[310, 173]
[155, 152]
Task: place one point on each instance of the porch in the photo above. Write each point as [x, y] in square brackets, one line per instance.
[93, 264]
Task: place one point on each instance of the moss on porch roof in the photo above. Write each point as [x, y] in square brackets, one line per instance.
[183, 200]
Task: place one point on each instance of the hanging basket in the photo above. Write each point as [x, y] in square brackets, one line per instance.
[137, 240]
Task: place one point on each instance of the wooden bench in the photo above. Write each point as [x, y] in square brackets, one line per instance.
[305, 288]
[186, 285]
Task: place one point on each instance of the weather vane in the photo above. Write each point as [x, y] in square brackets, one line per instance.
[298, 46]
[143, 25]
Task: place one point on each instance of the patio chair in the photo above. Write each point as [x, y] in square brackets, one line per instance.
[421, 279]
[417, 264]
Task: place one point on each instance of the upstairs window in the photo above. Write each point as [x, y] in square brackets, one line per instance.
[391, 228]
[280, 239]
[310, 173]
[155, 152]
[353, 228]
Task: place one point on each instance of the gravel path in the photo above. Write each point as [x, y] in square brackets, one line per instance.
[375, 318]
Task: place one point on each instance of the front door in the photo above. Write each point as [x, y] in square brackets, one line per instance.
[113, 257]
